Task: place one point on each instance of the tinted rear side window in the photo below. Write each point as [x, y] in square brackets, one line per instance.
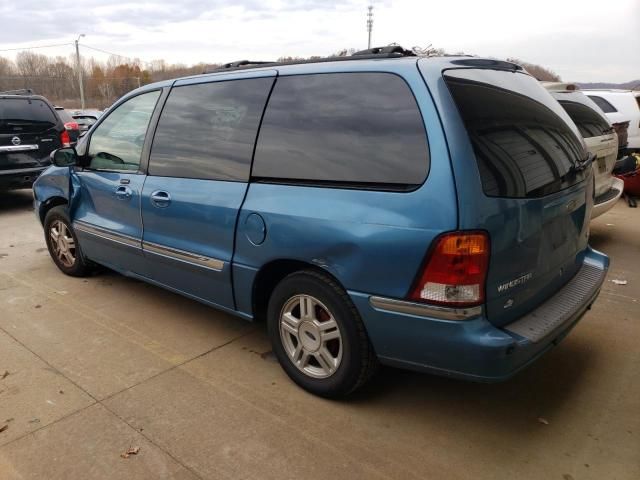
[590, 123]
[603, 104]
[24, 115]
[524, 142]
[354, 128]
[208, 130]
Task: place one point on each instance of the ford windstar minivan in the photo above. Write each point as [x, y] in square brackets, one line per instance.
[426, 213]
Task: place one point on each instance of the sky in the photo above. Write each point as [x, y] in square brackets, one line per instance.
[587, 40]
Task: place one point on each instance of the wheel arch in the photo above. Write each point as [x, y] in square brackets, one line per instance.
[272, 273]
[50, 203]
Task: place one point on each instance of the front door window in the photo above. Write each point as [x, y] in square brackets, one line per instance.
[117, 142]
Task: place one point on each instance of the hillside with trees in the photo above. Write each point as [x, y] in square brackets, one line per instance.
[104, 82]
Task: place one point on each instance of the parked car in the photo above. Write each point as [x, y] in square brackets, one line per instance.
[430, 213]
[620, 106]
[85, 119]
[70, 124]
[622, 131]
[600, 138]
[29, 131]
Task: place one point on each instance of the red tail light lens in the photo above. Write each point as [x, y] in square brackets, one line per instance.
[454, 274]
[72, 126]
[65, 139]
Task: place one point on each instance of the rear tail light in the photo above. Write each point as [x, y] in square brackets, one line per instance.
[455, 271]
[65, 139]
[72, 126]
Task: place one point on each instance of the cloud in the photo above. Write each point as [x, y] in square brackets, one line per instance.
[586, 42]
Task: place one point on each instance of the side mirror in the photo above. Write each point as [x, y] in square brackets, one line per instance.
[64, 157]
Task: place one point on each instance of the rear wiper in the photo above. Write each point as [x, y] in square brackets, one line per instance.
[581, 165]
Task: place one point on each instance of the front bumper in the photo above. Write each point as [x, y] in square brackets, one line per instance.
[475, 349]
[605, 202]
[19, 178]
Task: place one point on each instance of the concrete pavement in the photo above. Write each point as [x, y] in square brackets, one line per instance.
[98, 365]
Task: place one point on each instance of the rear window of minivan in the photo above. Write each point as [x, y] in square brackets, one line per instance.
[360, 130]
[525, 144]
[589, 122]
[25, 115]
[603, 104]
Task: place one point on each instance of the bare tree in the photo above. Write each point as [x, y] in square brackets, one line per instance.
[541, 73]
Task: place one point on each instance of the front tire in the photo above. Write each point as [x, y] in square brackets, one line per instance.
[318, 336]
[62, 243]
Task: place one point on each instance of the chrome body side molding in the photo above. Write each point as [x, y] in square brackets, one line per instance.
[184, 256]
[424, 310]
[106, 234]
[154, 248]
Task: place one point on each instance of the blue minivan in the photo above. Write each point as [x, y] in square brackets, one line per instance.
[425, 213]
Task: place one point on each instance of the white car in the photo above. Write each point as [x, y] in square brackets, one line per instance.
[600, 138]
[620, 106]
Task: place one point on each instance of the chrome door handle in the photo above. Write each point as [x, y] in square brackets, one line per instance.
[123, 193]
[160, 199]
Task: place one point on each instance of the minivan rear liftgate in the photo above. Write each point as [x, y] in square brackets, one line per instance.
[530, 186]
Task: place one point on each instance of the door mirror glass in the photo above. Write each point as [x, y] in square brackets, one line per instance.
[64, 157]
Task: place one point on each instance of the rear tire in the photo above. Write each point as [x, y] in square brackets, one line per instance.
[63, 244]
[318, 336]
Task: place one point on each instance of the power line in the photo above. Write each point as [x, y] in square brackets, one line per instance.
[37, 46]
[103, 51]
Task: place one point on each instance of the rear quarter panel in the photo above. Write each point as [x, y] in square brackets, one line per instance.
[371, 241]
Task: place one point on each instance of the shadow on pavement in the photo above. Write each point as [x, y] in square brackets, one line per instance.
[601, 239]
[15, 200]
[513, 407]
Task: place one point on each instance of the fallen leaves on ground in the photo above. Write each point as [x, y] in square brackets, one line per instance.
[544, 421]
[4, 375]
[130, 451]
[3, 428]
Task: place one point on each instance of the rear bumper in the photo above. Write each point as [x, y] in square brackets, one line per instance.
[605, 202]
[19, 178]
[474, 349]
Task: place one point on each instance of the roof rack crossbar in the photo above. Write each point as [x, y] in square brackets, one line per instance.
[243, 63]
[391, 49]
[20, 91]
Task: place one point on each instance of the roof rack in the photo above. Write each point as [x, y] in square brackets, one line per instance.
[392, 51]
[21, 91]
[242, 63]
[389, 50]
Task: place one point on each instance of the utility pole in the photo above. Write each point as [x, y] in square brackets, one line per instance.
[79, 67]
[369, 23]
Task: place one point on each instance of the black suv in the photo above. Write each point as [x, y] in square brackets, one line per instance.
[30, 130]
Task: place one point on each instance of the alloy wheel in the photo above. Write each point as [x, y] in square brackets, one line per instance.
[311, 336]
[63, 244]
